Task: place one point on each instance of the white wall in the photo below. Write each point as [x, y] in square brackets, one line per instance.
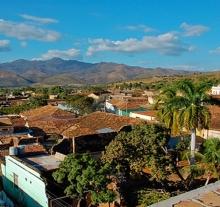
[216, 90]
[141, 116]
[29, 180]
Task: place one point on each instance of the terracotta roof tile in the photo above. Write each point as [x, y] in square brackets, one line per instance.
[129, 103]
[34, 148]
[49, 118]
[98, 122]
[215, 114]
[47, 111]
[210, 199]
[187, 204]
[5, 121]
[17, 121]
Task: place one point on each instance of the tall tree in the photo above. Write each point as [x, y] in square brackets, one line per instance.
[182, 106]
[143, 147]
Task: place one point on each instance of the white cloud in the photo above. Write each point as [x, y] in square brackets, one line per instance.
[139, 27]
[215, 51]
[193, 30]
[40, 20]
[167, 44]
[4, 45]
[23, 31]
[64, 54]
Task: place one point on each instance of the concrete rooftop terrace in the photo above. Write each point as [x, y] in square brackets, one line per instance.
[42, 162]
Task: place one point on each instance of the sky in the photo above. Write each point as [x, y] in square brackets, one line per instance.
[180, 34]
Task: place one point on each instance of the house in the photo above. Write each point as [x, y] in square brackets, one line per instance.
[6, 126]
[14, 132]
[27, 179]
[144, 115]
[215, 90]
[52, 97]
[151, 95]
[214, 128]
[99, 96]
[48, 120]
[204, 196]
[125, 106]
[91, 133]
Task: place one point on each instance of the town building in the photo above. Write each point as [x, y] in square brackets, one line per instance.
[48, 120]
[214, 128]
[125, 106]
[27, 179]
[14, 132]
[93, 132]
[215, 90]
[144, 115]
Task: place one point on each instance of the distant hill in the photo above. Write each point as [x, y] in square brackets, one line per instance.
[58, 71]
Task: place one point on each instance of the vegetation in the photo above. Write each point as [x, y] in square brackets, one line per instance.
[182, 107]
[211, 156]
[81, 104]
[32, 103]
[131, 152]
[84, 176]
[147, 197]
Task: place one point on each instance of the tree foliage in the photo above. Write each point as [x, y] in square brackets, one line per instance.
[143, 147]
[83, 175]
[81, 104]
[183, 105]
[32, 103]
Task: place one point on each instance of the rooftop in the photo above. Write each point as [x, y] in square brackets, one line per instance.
[147, 113]
[208, 196]
[49, 118]
[133, 103]
[42, 162]
[215, 114]
[5, 121]
[47, 112]
[98, 122]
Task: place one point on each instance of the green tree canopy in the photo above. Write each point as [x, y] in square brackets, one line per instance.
[143, 147]
[182, 106]
[81, 104]
[83, 175]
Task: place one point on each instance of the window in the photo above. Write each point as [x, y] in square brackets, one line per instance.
[15, 180]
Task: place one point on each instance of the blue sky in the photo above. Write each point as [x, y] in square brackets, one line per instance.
[182, 34]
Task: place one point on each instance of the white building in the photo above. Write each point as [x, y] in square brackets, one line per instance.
[216, 90]
[144, 115]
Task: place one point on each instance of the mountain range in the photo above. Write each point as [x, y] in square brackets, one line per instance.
[57, 71]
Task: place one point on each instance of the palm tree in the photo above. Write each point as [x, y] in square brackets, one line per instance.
[182, 107]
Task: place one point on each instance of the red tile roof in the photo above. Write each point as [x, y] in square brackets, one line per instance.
[50, 119]
[130, 103]
[34, 148]
[46, 112]
[98, 122]
[215, 117]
